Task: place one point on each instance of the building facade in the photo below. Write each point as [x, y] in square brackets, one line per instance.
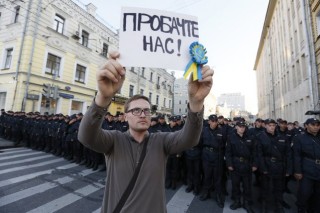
[315, 24]
[181, 99]
[285, 62]
[51, 51]
[232, 100]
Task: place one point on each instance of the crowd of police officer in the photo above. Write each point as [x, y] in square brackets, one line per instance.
[56, 134]
[275, 151]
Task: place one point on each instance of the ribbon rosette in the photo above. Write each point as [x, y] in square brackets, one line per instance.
[198, 58]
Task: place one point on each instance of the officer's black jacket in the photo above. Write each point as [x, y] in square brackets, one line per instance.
[255, 131]
[241, 153]
[73, 131]
[212, 139]
[274, 154]
[108, 125]
[122, 126]
[306, 150]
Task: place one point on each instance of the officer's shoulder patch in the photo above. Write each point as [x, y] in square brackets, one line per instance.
[282, 141]
[219, 135]
[249, 141]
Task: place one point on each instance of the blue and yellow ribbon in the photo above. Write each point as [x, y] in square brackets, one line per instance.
[198, 58]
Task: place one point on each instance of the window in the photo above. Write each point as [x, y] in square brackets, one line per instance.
[105, 49]
[80, 73]
[131, 90]
[132, 69]
[16, 15]
[151, 76]
[179, 101]
[53, 64]
[157, 100]
[141, 91]
[3, 96]
[164, 102]
[85, 38]
[158, 80]
[76, 107]
[8, 58]
[59, 23]
[142, 72]
[150, 97]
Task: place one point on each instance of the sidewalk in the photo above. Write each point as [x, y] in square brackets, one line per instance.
[7, 144]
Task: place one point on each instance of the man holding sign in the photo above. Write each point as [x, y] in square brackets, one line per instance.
[123, 150]
[136, 159]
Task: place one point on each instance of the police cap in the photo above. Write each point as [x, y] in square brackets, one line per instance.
[312, 121]
[213, 117]
[270, 121]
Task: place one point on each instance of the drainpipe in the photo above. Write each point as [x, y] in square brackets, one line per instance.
[31, 55]
[273, 114]
[20, 52]
[312, 68]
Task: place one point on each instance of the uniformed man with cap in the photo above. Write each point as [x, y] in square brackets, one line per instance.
[275, 163]
[306, 157]
[241, 162]
[254, 132]
[172, 166]
[212, 141]
[121, 124]
[282, 130]
[154, 125]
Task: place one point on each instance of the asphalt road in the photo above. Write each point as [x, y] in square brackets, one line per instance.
[34, 181]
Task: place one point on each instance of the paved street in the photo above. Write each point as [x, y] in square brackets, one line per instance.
[34, 181]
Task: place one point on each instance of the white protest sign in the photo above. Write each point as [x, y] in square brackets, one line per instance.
[155, 38]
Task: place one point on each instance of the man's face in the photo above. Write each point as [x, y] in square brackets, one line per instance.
[258, 124]
[283, 126]
[213, 124]
[290, 126]
[240, 129]
[271, 127]
[140, 122]
[313, 128]
[121, 117]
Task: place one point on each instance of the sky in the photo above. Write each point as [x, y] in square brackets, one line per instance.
[229, 29]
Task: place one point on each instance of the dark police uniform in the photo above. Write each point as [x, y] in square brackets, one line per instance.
[275, 162]
[306, 148]
[212, 161]
[241, 156]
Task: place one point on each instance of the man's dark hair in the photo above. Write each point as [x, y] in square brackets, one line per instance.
[133, 98]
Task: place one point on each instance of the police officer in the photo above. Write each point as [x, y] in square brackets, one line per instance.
[306, 148]
[212, 160]
[193, 164]
[172, 167]
[254, 132]
[283, 131]
[121, 124]
[162, 124]
[241, 161]
[154, 125]
[275, 163]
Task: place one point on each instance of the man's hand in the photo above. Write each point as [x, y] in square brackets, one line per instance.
[254, 168]
[298, 176]
[110, 78]
[230, 168]
[199, 89]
